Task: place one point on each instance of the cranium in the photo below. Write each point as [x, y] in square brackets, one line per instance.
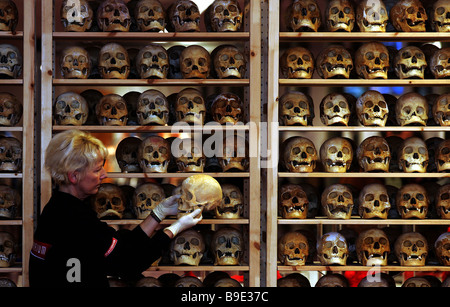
[188, 282]
[297, 63]
[227, 108]
[75, 63]
[411, 249]
[374, 154]
[410, 63]
[413, 156]
[148, 282]
[296, 108]
[408, 16]
[337, 202]
[299, 155]
[416, 281]
[152, 108]
[126, 155]
[190, 107]
[432, 146]
[293, 249]
[336, 155]
[145, 198]
[184, 16]
[189, 156]
[372, 247]
[195, 62]
[235, 155]
[70, 109]
[440, 63]
[411, 109]
[174, 53]
[412, 201]
[332, 280]
[11, 110]
[332, 249]
[112, 110]
[109, 202]
[232, 204]
[227, 244]
[224, 16]
[8, 247]
[292, 202]
[335, 110]
[187, 248]
[10, 154]
[442, 248]
[154, 154]
[227, 282]
[334, 62]
[443, 202]
[113, 16]
[372, 61]
[9, 14]
[441, 110]
[114, 62]
[442, 156]
[229, 62]
[440, 16]
[150, 16]
[304, 16]
[340, 16]
[372, 16]
[294, 280]
[374, 201]
[372, 109]
[76, 15]
[10, 202]
[152, 62]
[385, 280]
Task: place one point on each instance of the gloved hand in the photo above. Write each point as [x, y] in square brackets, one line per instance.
[185, 222]
[168, 206]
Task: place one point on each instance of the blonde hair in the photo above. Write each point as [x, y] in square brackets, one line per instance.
[72, 150]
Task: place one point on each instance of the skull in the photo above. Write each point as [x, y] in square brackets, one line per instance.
[293, 202]
[385, 280]
[189, 156]
[185, 16]
[411, 109]
[372, 247]
[413, 156]
[199, 191]
[408, 16]
[440, 63]
[229, 62]
[154, 154]
[9, 14]
[335, 110]
[443, 202]
[190, 107]
[416, 282]
[114, 62]
[227, 282]
[10, 110]
[294, 280]
[374, 154]
[372, 16]
[187, 248]
[372, 109]
[334, 62]
[412, 201]
[10, 61]
[333, 280]
[227, 108]
[297, 63]
[225, 16]
[442, 248]
[152, 108]
[336, 155]
[126, 155]
[432, 146]
[235, 154]
[374, 201]
[10, 202]
[296, 108]
[440, 16]
[299, 155]
[332, 249]
[227, 244]
[232, 203]
[70, 109]
[195, 62]
[174, 53]
[372, 61]
[411, 249]
[75, 63]
[340, 16]
[337, 202]
[145, 198]
[8, 248]
[442, 155]
[188, 282]
[153, 62]
[76, 15]
[10, 154]
[109, 202]
[148, 282]
[304, 16]
[112, 110]
[441, 110]
[410, 63]
[150, 16]
[113, 16]
[293, 249]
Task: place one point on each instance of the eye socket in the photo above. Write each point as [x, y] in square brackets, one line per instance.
[306, 57]
[406, 196]
[369, 197]
[420, 243]
[120, 56]
[384, 197]
[156, 197]
[420, 196]
[310, 150]
[368, 240]
[195, 241]
[383, 241]
[370, 55]
[332, 150]
[162, 55]
[288, 105]
[116, 201]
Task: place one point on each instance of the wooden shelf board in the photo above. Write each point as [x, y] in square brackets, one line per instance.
[359, 221]
[152, 82]
[363, 82]
[362, 129]
[176, 175]
[170, 221]
[338, 268]
[363, 175]
[200, 268]
[155, 129]
[363, 36]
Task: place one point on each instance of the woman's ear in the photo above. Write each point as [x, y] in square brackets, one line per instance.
[73, 176]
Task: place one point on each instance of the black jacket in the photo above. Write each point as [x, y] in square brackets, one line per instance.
[73, 248]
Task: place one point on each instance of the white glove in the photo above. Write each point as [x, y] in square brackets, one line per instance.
[168, 206]
[185, 222]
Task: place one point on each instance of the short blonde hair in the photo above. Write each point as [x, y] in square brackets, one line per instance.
[72, 150]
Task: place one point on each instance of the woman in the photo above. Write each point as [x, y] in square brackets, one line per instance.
[72, 247]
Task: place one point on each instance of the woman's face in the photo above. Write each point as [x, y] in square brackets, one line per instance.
[91, 180]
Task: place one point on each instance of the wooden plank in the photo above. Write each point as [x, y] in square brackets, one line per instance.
[363, 82]
[364, 36]
[360, 268]
[152, 82]
[362, 175]
[364, 129]
[176, 175]
[360, 221]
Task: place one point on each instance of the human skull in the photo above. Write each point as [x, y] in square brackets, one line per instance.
[190, 107]
[229, 62]
[374, 201]
[10, 154]
[440, 63]
[114, 62]
[227, 244]
[292, 202]
[10, 202]
[11, 109]
[372, 109]
[372, 61]
[413, 156]
[336, 155]
[335, 110]
[113, 16]
[152, 62]
[188, 282]
[232, 204]
[195, 62]
[442, 248]
[126, 155]
[9, 14]
[411, 249]
[334, 62]
[440, 16]
[235, 155]
[224, 16]
[112, 110]
[411, 109]
[332, 249]
[152, 108]
[443, 202]
[297, 63]
[410, 63]
[187, 248]
[441, 110]
[412, 201]
[185, 16]
[304, 16]
[8, 248]
[227, 108]
[383, 280]
[145, 198]
[408, 16]
[372, 247]
[340, 16]
[372, 16]
[337, 202]
[416, 281]
[154, 154]
[75, 63]
[227, 282]
[374, 154]
[332, 280]
[148, 282]
[189, 156]
[109, 202]
[296, 108]
[293, 249]
[442, 156]
[174, 53]
[299, 155]
[70, 109]
[199, 191]
[150, 16]
[76, 15]
[294, 280]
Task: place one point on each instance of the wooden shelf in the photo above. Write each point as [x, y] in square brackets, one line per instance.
[169, 221]
[363, 82]
[200, 268]
[359, 221]
[363, 36]
[155, 129]
[152, 82]
[363, 129]
[360, 268]
[362, 175]
[176, 175]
